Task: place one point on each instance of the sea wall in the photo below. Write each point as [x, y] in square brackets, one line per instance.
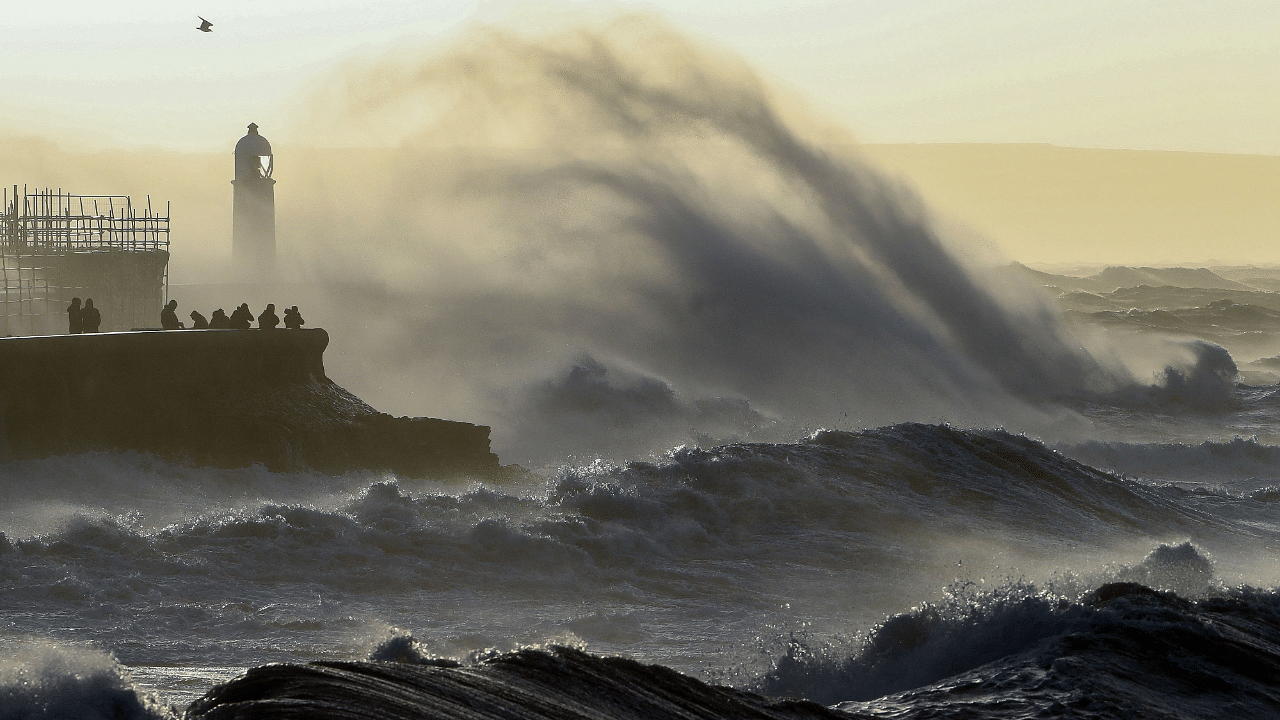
[216, 397]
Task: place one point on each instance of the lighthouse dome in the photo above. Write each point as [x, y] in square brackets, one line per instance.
[253, 143]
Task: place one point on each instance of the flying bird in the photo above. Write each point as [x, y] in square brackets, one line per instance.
[205, 25]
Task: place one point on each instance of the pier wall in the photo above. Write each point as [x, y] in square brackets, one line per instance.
[216, 397]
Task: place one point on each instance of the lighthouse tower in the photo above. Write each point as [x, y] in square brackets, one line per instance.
[253, 220]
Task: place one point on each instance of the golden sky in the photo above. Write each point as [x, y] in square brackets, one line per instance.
[1187, 78]
[1137, 74]
[1048, 205]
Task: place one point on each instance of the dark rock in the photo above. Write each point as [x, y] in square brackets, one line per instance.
[555, 684]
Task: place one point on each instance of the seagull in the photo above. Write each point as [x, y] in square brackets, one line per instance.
[205, 25]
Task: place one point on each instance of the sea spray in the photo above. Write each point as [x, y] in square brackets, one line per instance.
[41, 681]
[630, 194]
[972, 626]
[1119, 650]
[660, 559]
[683, 560]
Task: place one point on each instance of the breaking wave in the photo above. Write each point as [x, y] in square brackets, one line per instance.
[704, 553]
[39, 681]
[1117, 651]
[614, 239]
[732, 253]
[971, 628]
[291, 563]
[1243, 462]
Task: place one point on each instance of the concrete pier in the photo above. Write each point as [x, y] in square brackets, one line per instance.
[214, 397]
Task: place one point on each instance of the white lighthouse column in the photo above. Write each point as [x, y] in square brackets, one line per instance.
[253, 219]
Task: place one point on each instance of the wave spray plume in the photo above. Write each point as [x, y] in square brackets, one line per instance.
[626, 193]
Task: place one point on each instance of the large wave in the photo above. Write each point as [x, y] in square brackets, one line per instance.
[667, 560]
[1123, 650]
[628, 193]
[1241, 464]
[970, 628]
[42, 681]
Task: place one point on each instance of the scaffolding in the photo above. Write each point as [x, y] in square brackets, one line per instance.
[55, 245]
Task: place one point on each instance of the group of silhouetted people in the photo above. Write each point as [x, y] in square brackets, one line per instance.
[240, 319]
[84, 319]
[87, 318]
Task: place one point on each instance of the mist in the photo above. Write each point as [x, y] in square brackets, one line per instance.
[611, 240]
[625, 194]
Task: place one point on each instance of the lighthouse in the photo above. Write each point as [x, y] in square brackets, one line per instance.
[253, 219]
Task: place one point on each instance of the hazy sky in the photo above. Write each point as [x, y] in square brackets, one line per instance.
[1144, 74]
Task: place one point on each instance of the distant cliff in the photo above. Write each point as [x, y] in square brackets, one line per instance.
[215, 397]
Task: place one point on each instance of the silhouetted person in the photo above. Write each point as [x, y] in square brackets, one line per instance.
[169, 316]
[90, 318]
[219, 320]
[198, 322]
[241, 317]
[75, 317]
[268, 320]
[293, 319]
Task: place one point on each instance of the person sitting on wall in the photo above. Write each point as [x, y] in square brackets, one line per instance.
[268, 320]
[90, 318]
[293, 319]
[169, 316]
[241, 317]
[219, 320]
[75, 323]
[198, 322]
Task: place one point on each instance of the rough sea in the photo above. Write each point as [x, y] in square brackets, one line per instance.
[912, 570]
[787, 450]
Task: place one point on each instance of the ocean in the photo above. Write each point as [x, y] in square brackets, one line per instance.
[864, 570]
[788, 449]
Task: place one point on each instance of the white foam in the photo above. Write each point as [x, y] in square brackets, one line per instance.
[41, 680]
